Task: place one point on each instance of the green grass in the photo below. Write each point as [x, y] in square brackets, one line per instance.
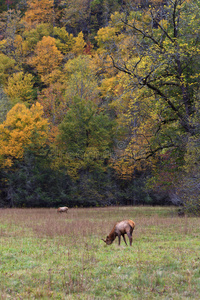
[45, 255]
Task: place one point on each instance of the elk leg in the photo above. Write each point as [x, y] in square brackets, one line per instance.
[124, 239]
[130, 238]
[119, 238]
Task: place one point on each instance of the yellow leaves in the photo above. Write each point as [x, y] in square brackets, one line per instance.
[164, 23]
[23, 129]
[79, 45]
[108, 86]
[105, 35]
[3, 44]
[21, 48]
[53, 77]
[20, 88]
[117, 20]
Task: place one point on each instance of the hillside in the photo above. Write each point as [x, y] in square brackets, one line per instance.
[99, 103]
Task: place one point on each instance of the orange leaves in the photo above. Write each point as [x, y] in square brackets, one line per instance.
[47, 57]
[23, 129]
[38, 12]
[53, 102]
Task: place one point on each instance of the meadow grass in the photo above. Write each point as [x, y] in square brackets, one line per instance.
[46, 255]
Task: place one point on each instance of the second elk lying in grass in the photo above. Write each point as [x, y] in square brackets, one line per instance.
[62, 209]
[121, 228]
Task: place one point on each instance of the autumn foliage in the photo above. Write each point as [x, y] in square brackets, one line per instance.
[23, 129]
[38, 12]
[109, 88]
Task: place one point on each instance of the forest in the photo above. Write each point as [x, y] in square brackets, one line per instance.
[99, 103]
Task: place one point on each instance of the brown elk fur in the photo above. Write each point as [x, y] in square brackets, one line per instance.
[62, 209]
[121, 228]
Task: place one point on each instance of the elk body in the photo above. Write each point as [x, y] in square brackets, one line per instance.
[120, 229]
[62, 209]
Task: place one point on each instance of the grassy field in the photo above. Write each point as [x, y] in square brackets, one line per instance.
[45, 255]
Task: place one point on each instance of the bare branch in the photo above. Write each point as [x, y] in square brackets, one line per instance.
[153, 152]
[144, 34]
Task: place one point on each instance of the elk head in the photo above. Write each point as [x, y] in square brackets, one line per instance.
[108, 240]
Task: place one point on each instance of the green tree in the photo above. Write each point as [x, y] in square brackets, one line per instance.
[86, 138]
[31, 183]
[64, 40]
[81, 79]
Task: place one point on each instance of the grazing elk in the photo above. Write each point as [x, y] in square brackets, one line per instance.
[62, 209]
[121, 228]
